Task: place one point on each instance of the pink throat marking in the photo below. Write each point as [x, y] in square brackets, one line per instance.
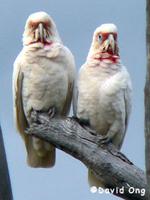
[45, 43]
[113, 58]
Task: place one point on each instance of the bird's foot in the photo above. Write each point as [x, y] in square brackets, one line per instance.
[115, 152]
[108, 138]
[89, 129]
[104, 139]
[39, 117]
[51, 112]
[34, 116]
[85, 124]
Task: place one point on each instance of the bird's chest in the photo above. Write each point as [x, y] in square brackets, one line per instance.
[93, 87]
[43, 72]
[96, 99]
[44, 83]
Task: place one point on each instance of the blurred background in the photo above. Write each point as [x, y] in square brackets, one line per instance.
[76, 21]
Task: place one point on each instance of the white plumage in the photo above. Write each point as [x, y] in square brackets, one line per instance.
[43, 78]
[103, 94]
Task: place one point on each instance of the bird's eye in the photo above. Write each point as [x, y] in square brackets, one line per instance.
[100, 37]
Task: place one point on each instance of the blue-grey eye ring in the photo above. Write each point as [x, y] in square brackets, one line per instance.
[100, 37]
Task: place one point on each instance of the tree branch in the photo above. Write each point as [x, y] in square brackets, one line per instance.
[104, 160]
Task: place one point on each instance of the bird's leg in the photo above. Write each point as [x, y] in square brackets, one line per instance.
[89, 129]
[86, 125]
[109, 137]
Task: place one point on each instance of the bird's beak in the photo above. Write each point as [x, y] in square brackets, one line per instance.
[109, 44]
[41, 32]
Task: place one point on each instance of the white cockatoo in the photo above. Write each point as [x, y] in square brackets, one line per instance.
[103, 93]
[43, 79]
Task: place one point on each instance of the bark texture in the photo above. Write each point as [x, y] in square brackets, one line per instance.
[106, 161]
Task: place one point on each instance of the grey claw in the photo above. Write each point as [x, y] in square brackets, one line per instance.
[104, 140]
[51, 112]
[34, 116]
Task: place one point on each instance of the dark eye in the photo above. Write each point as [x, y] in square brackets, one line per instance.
[100, 37]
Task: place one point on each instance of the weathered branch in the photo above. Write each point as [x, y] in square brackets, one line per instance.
[107, 163]
[147, 97]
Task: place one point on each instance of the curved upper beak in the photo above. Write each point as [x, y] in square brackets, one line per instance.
[109, 44]
[41, 32]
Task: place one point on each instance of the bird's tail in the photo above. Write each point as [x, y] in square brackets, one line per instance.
[93, 180]
[40, 153]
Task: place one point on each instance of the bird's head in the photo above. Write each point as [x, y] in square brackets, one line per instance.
[40, 28]
[104, 44]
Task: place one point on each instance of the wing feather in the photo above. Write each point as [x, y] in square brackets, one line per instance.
[71, 79]
[20, 118]
[66, 107]
[75, 99]
[128, 103]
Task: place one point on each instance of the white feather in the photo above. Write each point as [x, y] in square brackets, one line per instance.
[43, 78]
[104, 94]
